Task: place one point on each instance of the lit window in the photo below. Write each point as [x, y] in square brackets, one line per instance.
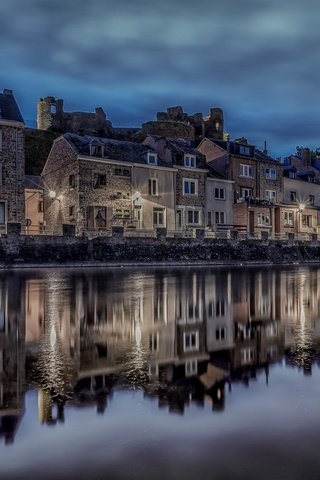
[245, 170]
[190, 187]
[189, 161]
[190, 341]
[153, 186]
[152, 158]
[219, 193]
[271, 173]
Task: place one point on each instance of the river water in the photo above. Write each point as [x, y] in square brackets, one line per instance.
[180, 373]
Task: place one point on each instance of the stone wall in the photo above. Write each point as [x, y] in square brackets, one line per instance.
[12, 164]
[23, 250]
[51, 116]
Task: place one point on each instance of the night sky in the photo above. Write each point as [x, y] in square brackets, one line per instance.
[258, 60]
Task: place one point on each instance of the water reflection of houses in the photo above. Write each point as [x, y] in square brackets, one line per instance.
[299, 313]
[12, 356]
[180, 337]
[52, 341]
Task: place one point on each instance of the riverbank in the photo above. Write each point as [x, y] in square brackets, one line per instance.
[71, 251]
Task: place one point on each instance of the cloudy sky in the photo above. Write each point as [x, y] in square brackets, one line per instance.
[258, 60]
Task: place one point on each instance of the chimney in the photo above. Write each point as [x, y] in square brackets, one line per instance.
[6, 91]
[306, 157]
[265, 151]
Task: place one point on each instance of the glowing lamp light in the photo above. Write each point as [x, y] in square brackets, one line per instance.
[301, 207]
[136, 196]
[52, 194]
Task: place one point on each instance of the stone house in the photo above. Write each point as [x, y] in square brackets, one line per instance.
[11, 161]
[300, 209]
[95, 183]
[34, 205]
[219, 200]
[191, 174]
[257, 181]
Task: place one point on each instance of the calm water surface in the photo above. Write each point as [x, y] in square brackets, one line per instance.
[160, 374]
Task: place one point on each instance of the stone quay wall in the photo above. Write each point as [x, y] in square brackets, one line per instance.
[23, 250]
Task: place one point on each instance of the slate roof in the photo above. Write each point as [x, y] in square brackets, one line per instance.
[178, 145]
[264, 157]
[113, 149]
[33, 182]
[9, 109]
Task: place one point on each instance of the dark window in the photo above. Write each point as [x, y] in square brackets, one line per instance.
[72, 181]
[71, 211]
[311, 199]
[121, 172]
[99, 180]
[40, 206]
[293, 196]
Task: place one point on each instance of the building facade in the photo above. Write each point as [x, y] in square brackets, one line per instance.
[96, 183]
[11, 161]
[190, 184]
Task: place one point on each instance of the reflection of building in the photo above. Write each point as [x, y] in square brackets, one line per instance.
[181, 335]
[12, 356]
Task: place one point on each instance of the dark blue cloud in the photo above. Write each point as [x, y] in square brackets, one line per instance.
[256, 59]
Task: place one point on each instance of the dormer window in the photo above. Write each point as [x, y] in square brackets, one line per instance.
[292, 174]
[190, 161]
[96, 150]
[244, 150]
[152, 158]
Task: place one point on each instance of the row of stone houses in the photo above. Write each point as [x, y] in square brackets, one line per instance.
[96, 183]
[157, 181]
